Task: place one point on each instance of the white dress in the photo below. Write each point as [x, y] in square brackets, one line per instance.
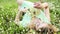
[27, 17]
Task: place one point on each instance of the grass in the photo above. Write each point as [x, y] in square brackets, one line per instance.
[8, 10]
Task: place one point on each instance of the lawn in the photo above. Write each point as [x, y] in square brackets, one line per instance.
[8, 10]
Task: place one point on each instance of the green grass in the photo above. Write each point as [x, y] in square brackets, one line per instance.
[8, 10]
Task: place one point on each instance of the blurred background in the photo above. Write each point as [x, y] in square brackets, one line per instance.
[8, 10]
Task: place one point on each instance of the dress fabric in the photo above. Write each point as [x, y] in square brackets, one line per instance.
[27, 17]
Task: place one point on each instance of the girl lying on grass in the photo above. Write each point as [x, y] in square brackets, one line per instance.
[34, 17]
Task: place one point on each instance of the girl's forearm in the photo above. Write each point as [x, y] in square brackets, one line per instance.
[47, 13]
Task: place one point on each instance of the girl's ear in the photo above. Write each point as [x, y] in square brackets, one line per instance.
[20, 2]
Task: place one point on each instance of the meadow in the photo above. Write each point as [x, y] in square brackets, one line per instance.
[9, 8]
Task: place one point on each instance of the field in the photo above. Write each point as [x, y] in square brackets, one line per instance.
[8, 10]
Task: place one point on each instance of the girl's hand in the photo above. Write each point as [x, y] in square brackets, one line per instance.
[20, 2]
[45, 5]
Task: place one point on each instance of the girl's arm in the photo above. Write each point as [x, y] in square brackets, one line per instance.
[45, 7]
[46, 10]
[47, 13]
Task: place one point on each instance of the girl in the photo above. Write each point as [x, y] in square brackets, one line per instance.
[33, 18]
